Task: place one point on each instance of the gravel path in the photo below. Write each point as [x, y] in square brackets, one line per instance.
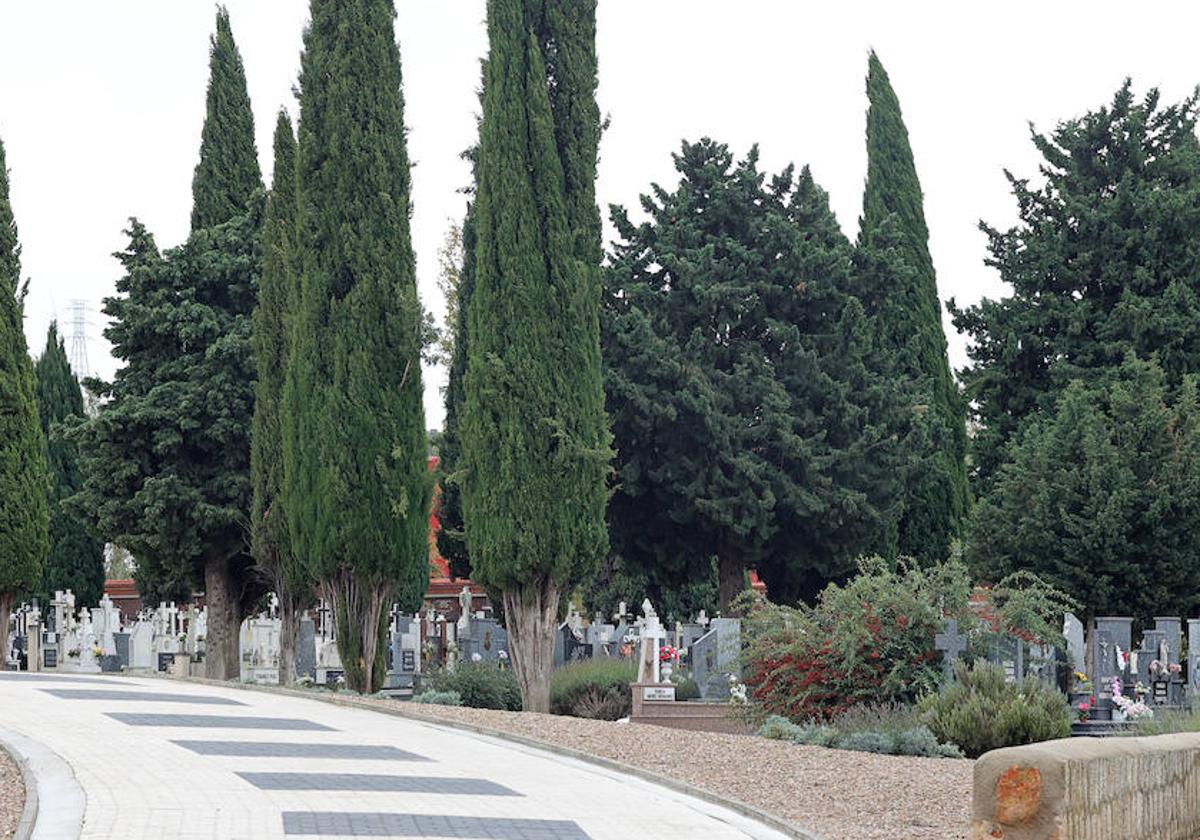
[12, 796]
[840, 795]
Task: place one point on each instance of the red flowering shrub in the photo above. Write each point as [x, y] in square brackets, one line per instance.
[867, 642]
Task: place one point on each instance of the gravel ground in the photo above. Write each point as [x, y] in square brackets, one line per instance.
[840, 795]
[12, 796]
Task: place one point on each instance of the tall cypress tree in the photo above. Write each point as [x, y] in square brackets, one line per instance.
[228, 172]
[23, 513]
[909, 317]
[277, 297]
[535, 442]
[356, 480]
[76, 558]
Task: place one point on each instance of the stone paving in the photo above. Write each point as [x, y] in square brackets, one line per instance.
[271, 767]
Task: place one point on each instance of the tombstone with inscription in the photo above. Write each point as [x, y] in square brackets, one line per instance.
[488, 640]
[1112, 641]
[714, 657]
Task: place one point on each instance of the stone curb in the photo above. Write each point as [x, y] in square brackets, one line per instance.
[29, 811]
[355, 702]
[47, 776]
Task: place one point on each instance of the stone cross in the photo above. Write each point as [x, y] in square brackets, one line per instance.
[952, 644]
[702, 619]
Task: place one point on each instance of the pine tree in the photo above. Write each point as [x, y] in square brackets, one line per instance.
[167, 461]
[23, 513]
[356, 480]
[278, 295]
[534, 436]
[750, 418]
[228, 174]
[909, 317]
[76, 558]
[1100, 497]
[1101, 262]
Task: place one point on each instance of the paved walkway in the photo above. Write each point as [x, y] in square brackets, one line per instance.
[175, 761]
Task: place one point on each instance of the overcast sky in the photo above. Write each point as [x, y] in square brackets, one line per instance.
[101, 106]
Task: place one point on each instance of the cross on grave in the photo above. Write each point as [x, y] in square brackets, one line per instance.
[325, 614]
[952, 644]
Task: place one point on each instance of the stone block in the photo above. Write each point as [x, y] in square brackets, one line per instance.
[1086, 788]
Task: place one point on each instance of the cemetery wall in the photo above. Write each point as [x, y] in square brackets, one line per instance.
[1089, 789]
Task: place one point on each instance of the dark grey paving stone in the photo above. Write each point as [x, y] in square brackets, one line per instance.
[10, 676]
[147, 696]
[353, 824]
[216, 721]
[368, 782]
[270, 749]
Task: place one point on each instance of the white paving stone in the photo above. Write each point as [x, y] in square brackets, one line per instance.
[139, 785]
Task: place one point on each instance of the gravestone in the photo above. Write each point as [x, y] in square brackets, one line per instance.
[715, 656]
[121, 646]
[306, 648]
[488, 640]
[952, 644]
[1112, 638]
[1073, 634]
[568, 647]
[1193, 667]
[141, 645]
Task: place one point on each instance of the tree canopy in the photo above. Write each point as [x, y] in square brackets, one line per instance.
[751, 419]
[76, 558]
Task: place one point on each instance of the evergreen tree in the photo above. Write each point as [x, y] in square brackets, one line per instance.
[167, 461]
[909, 317]
[356, 480]
[278, 295]
[750, 418]
[228, 174]
[76, 558]
[1101, 497]
[534, 437]
[1102, 261]
[452, 537]
[23, 513]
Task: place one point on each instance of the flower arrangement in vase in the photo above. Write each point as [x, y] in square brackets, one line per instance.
[667, 657]
[1129, 708]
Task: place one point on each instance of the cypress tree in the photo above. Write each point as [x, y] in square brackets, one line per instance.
[167, 460]
[356, 479]
[76, 558]
[1103, 260]
[535, 442]
[909, 317]
[752, 424]
[277, 297]
[23, 512]
[452, 537]
[228, 172]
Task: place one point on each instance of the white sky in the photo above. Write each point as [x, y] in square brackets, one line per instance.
[101, 106]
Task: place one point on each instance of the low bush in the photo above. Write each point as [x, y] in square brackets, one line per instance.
[913, 741]
[1164, 723]
[979, 711]
[439, 698]
[686, 689]
[481, 685]
[593, 688]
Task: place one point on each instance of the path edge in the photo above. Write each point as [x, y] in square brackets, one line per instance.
[29, 809]
[354, 702]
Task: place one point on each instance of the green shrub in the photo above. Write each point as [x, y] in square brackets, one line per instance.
[1164, 723]
[980, 712]
[872, 742]
[686, 689]
[439, 698]
[593, 688]
[779, 728]
[481, 685]
[818, 735]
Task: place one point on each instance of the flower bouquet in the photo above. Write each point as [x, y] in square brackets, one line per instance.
[1129, 708]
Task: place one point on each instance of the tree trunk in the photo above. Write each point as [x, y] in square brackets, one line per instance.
[360, 617]
[731, 575]
[221, 659]
[6, 603]
[289, 627]
[531, 618]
